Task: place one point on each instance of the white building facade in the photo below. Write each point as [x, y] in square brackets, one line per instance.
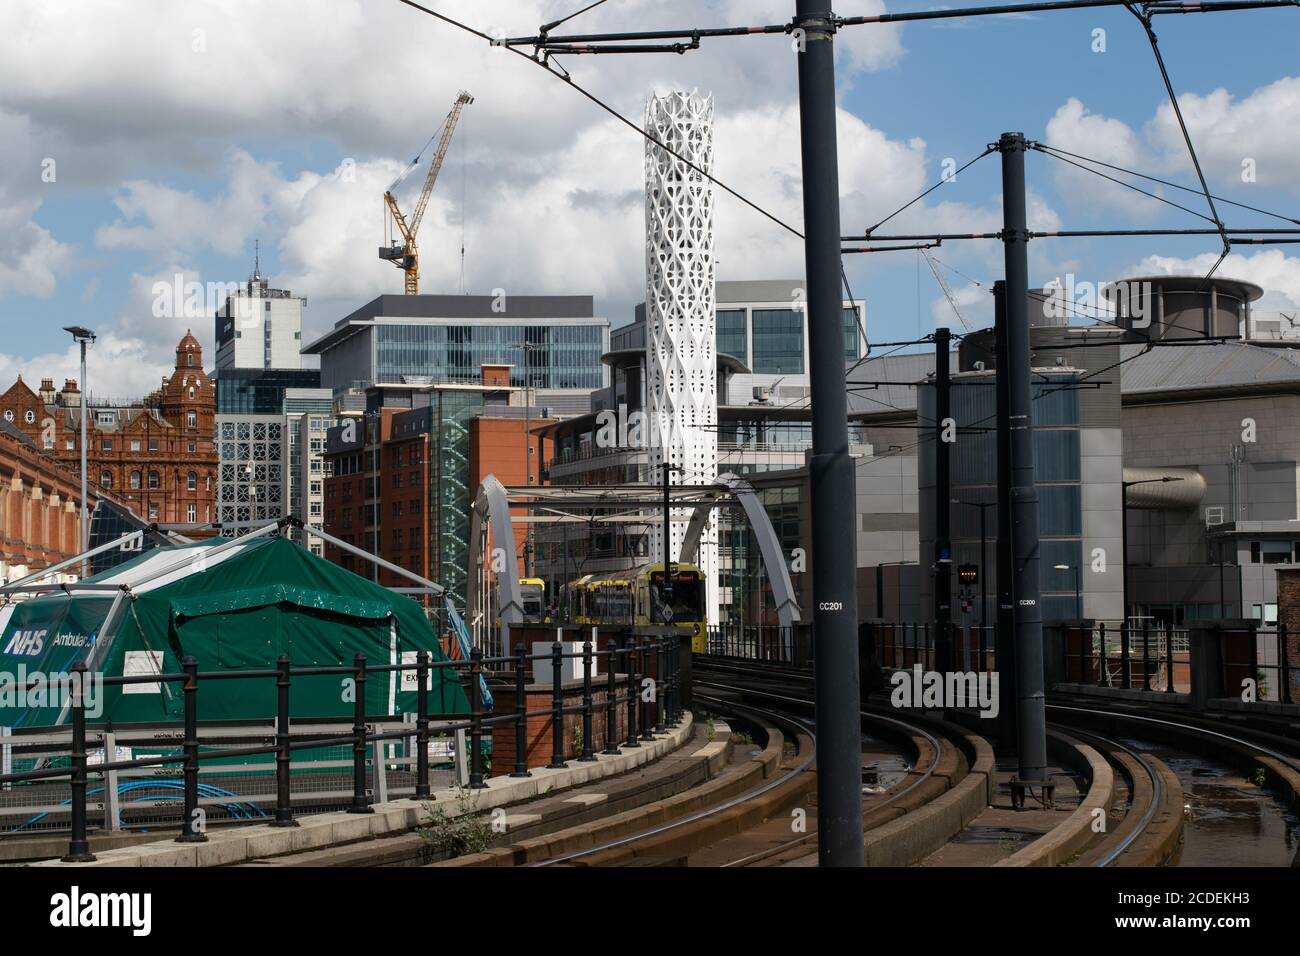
[681, 380]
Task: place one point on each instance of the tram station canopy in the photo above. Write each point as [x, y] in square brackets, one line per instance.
[236, 607]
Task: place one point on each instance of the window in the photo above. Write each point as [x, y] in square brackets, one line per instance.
[1270, 552]
[9, 414]
[192, 448]
[731, 333]
[851, 337]
[192, 481]
[153, 512]
[30, 417]
[192, 419]
[69, 443]
[192, 513]
[153, 444]
[189, 359]
[135, 444]
[135, 480]
[154, 481]
[778, 342]
[106, 444]
[106, 479]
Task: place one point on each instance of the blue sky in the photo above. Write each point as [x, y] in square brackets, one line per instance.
[173, 159]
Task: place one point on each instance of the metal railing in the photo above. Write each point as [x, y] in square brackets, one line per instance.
[638, 656]
[1129, 656]
[760, 642]
[903, 645]
[1267, 655]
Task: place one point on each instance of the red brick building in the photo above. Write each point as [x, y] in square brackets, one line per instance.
[401, 479]
[40, 502]
[157, 456]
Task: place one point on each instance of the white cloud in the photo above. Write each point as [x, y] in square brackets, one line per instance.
[1276, 272]
[1258, 129]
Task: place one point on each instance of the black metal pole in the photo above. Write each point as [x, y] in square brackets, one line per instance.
[283, 810]
[984, 585]
[942, 506]
[646, 732]
[557, 706]
[359, 802]
[422, 791]
[629, 657]
[79, 843]
[1123, 543]
[1004, 647]
[191, 829]
[588, 732]
[1024, 496]
[521, 713]
[839, 745]
[668, 547]
[476, 720]
[611, 697]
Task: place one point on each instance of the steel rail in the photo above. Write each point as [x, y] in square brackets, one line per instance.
[711, 811]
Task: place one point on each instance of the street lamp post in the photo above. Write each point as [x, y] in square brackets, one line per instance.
[1124, 487]
[83, 336]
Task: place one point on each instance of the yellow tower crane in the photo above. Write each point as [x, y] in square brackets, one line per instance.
[403, 253]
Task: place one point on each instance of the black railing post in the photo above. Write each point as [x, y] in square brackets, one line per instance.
[674, 674]
[611, 698]
[1125, 657]
[521, 713]
[360, 803]
[1103, 677]
[422, 791]
[588, 748]
[476, 720]
[283, 810]
[1284, 692]
[629, 655]
[646, 733]
[79, 844]
[1146, 655]
[1169, 660]
[557, 706]
[191, 828]
[1252, 636]
[661, 685]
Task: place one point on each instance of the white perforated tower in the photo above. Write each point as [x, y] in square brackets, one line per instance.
[681, 385]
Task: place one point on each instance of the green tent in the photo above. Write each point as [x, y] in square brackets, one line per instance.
[232, 606]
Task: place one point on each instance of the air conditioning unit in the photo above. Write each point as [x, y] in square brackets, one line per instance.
[762, 394]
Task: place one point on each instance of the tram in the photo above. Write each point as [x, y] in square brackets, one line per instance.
[636, 597]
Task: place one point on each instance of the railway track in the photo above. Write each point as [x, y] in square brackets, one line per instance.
[1134, 790]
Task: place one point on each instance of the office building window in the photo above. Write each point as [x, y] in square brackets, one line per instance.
[135, 479]
[731, 333]
[1270, 552]
[851, 337]
[778, 342]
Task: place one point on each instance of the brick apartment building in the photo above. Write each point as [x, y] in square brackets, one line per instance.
[157, 456]
[402, 477]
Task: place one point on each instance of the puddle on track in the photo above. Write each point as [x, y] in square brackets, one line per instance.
[1229, 821]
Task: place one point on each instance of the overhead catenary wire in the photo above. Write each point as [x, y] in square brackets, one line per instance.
[566, 78]
[1144, 18]
[1048, 148]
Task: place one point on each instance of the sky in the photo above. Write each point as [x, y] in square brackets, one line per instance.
[146, 144]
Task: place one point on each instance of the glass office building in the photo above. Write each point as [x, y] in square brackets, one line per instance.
[550, 342]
